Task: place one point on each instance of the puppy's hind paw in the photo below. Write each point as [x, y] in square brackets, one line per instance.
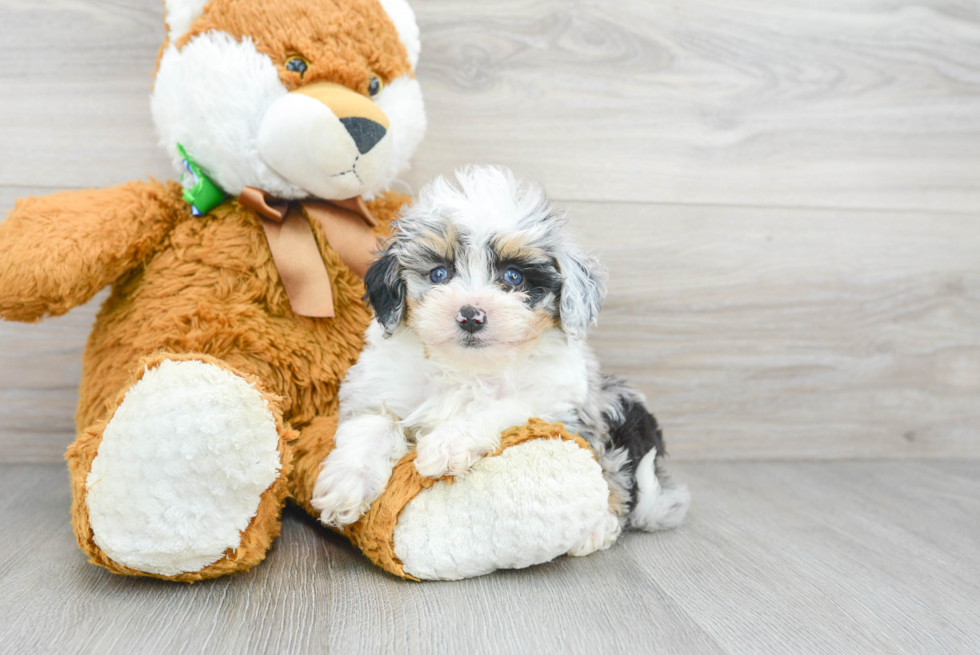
[604, 536]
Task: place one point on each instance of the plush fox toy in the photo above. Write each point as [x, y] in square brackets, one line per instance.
[209, 382]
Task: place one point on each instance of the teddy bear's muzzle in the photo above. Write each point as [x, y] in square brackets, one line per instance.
[326, 139]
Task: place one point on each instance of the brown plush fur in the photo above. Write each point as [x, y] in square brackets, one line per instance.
[212, 287]
[204, 288]
[374, 532]
[255, 539]
[58, 251]
[345, 41]
[207, 288]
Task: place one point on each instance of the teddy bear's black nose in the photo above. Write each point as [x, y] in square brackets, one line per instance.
[365, 132]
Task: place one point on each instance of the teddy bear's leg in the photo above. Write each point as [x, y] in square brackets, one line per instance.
[602, 536]
[185, 477]
[314, 443]
[532, 502]
[539, 495]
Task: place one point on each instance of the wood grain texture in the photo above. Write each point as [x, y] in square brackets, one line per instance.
[755, 333]
[873, 103]
[837, 558]
[761, 328]
[827, 557]
[763, 333]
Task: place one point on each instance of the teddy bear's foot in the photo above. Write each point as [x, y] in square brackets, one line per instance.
[184, 474]
[529, 504]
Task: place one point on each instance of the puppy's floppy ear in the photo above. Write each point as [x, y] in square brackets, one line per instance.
[583, 289]
[386, 290]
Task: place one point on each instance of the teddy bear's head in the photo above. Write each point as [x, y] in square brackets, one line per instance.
[297, 98]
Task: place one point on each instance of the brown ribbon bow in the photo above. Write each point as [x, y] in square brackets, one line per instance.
[347, 225]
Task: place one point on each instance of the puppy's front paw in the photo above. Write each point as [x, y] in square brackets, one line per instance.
[343, 493]
[445, 451]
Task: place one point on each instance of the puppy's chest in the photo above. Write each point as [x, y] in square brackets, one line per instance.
[440, 399]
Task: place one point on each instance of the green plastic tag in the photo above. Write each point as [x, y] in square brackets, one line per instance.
[200, 192]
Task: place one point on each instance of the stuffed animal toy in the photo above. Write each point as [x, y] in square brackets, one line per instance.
[209, 382]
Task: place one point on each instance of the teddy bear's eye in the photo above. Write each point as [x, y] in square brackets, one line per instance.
[297, 65]
[375, 86]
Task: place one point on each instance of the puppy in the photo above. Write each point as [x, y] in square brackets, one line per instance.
[482, 305]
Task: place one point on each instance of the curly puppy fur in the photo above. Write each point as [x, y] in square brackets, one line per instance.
[483, 303]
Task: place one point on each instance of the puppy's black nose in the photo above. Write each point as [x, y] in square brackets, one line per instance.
[365, 132]
[471, 319]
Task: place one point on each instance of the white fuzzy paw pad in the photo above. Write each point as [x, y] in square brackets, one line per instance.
[181, 468]
[528, 505]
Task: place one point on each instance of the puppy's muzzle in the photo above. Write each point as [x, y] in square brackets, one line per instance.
[471, 319]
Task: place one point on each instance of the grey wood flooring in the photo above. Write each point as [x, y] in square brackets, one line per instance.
[777, 557]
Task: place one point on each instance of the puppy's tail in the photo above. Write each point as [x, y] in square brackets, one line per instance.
[660, 502]
[657, 502]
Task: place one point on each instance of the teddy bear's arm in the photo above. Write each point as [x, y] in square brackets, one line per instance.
[58, 251]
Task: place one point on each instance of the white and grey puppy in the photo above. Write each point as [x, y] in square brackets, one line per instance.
[482, 307]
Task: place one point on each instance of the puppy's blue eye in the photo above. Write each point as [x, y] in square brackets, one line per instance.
[513, 277]
[439, 275]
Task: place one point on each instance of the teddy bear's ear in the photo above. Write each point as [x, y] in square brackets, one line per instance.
[408, 29]
[179, 15]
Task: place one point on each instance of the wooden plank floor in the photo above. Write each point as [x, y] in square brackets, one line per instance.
[778, 557]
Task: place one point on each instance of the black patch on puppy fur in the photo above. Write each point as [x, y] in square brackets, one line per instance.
[634, 428]
[541, 282]
[638, 432]
[541, 279]
[385, 290]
